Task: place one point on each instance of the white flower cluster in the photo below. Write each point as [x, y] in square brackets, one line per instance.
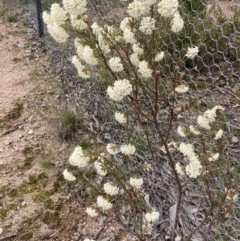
[120, 117]
[82, 71]
[218, 135]
[128, 36]
[99, 165]
[58, 33]
[136, 182]
[91, 212]
[138, 8]
[151, 217]
[78, 158]
[177, 23]
[128, 149]
[203, 122]
[88, 56]
[194, 130]
[75, 7]
[144, 70]
[112, 149]
[167, 8]
[125, 23]
[181, 132]
[53, 20]
[78, 23]
[100, 35]
[115, 64]
[193, 169]
[213, 157]
[68, 176]
[110, 189]
[209, 117]
[137, 49]
[147, 25]
[58, 15]
[103, 203]
[179, 168]
[192, 52]
[159, 56]
[119, 90]
[182, 89]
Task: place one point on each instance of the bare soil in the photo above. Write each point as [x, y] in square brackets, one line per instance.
[35, 202]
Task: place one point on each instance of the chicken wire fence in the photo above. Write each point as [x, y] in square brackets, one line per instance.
[214, 76]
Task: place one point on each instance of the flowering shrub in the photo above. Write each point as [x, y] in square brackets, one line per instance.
[129, 56]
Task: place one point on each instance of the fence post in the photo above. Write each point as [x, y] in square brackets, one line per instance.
[39, 18]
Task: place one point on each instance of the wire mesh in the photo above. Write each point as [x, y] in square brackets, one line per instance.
[213, 75]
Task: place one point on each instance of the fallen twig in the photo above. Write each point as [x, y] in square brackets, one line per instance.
[12, 130]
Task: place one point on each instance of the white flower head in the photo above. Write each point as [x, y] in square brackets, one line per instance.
[47, 18]
[218, 134]
[112, 149]
[136, 182]
[210, 115]
[193, 169]
[75, 7]
[179, 168]
[151, 217]
[213, 157]
[119, 90]
[58, 33]
[82, 71]
[194, 130]
[91, 212]
[159, 56]
[78, 158]
[120, 117]
[58, 15]
[144, 70]
[68, 176]
[88, 56]
[138, 8]
[188, 151]
[99, 165]
[177, 23]
[77, 23]
[125, 24]
[147, 25]
[181, 132]
[192, 52]
[134, 59]
[97, 30]
[87, 239]
[103, 203]
[128, 149]
[115, 64]
[128, 36]
[137, 49]
[182, 89]
[203, 122]
[167, 8]
[110, 189]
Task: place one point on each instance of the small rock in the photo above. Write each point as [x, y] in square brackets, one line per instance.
[30, 132]
[235, 139]
[24, 204]
[1, 231]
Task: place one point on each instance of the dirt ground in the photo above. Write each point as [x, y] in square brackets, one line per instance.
[35, 202]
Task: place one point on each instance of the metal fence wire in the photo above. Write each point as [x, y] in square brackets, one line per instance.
[213, 26]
